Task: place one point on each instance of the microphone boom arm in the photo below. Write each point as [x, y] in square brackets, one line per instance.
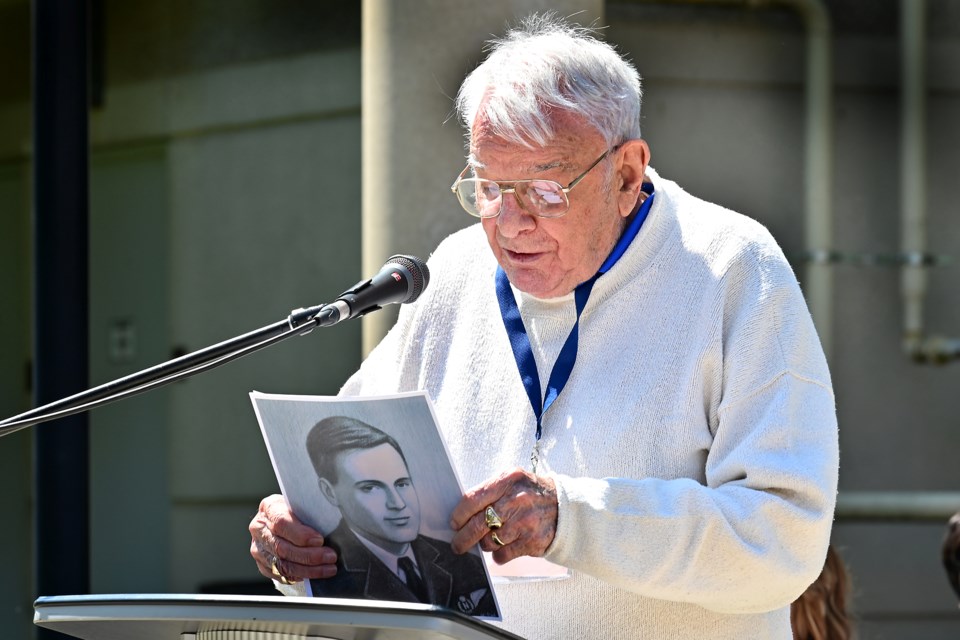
[299, 322]
[402, 279]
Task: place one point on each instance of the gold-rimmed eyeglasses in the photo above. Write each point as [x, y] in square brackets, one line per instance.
[543, 198]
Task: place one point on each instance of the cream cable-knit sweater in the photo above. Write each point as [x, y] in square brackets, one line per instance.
[694, 446]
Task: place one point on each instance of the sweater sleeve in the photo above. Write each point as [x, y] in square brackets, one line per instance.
[749, 541]
[754, 534]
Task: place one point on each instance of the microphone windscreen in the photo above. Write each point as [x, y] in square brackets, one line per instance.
[418, 270]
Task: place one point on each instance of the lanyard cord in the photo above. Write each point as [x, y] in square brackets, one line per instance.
[520, 341]
[522, 352]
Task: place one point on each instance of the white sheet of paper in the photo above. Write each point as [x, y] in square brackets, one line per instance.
[409, 418]
[525, 569]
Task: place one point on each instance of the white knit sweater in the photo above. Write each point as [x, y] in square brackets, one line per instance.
[694, 446]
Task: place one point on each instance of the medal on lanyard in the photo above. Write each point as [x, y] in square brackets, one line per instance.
[520, 341]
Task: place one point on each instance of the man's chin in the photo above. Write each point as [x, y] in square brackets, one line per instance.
[533, 284]
[403, 535]
[530, 281]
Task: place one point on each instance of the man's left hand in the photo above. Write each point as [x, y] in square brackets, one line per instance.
[526, 504]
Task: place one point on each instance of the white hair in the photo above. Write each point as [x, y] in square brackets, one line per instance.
[544, 65]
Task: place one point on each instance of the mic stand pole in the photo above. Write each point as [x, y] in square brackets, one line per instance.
[299, 322]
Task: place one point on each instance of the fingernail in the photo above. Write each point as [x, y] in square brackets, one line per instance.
[329, 571]
[329, 557]
[316, 541]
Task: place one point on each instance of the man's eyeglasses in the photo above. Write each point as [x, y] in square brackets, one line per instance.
[543, 198]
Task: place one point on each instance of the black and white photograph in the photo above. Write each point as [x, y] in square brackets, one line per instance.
[373, 475]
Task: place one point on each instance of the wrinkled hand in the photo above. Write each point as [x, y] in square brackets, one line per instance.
[526, 503]
[298, 549]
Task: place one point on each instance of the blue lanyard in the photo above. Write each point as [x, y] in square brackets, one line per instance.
[520, 341]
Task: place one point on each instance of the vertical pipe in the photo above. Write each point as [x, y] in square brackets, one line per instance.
[913, 169]
[818, 181]
[818, 166]
[60, 199]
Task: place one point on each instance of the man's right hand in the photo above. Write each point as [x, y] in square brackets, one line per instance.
[280, 541]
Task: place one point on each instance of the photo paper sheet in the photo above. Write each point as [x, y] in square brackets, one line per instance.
[373, 475]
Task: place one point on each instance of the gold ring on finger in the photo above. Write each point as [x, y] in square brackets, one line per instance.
[275, 570]
[496, 538]
[492, 519]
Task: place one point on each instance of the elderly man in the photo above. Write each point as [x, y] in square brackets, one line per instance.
[627, 375]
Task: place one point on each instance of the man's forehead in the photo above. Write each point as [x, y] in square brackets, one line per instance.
[494, 152]
[535, 162]
[371, 457]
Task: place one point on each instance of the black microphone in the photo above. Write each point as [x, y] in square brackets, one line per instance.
[402, 279]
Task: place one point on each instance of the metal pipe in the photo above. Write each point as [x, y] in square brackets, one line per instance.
[897, 505]
[917, 343]
[913, 169]
[818, 165]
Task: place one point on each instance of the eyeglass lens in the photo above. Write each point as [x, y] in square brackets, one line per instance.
[484, 198]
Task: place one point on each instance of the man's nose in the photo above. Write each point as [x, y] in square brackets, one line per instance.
[394, 500]
[514, 217]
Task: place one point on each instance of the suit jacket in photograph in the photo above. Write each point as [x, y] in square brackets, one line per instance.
[456, 582]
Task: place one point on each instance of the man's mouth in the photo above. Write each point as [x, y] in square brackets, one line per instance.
[522, 257]
[398, 522]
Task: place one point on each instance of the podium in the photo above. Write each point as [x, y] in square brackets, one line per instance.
[223, 617]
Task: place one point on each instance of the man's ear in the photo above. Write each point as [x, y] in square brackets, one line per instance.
[634, 158]
[327, 490]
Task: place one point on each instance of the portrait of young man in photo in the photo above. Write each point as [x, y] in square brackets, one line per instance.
[381, 554]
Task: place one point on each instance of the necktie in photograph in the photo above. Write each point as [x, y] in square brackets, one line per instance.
[413, 580]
